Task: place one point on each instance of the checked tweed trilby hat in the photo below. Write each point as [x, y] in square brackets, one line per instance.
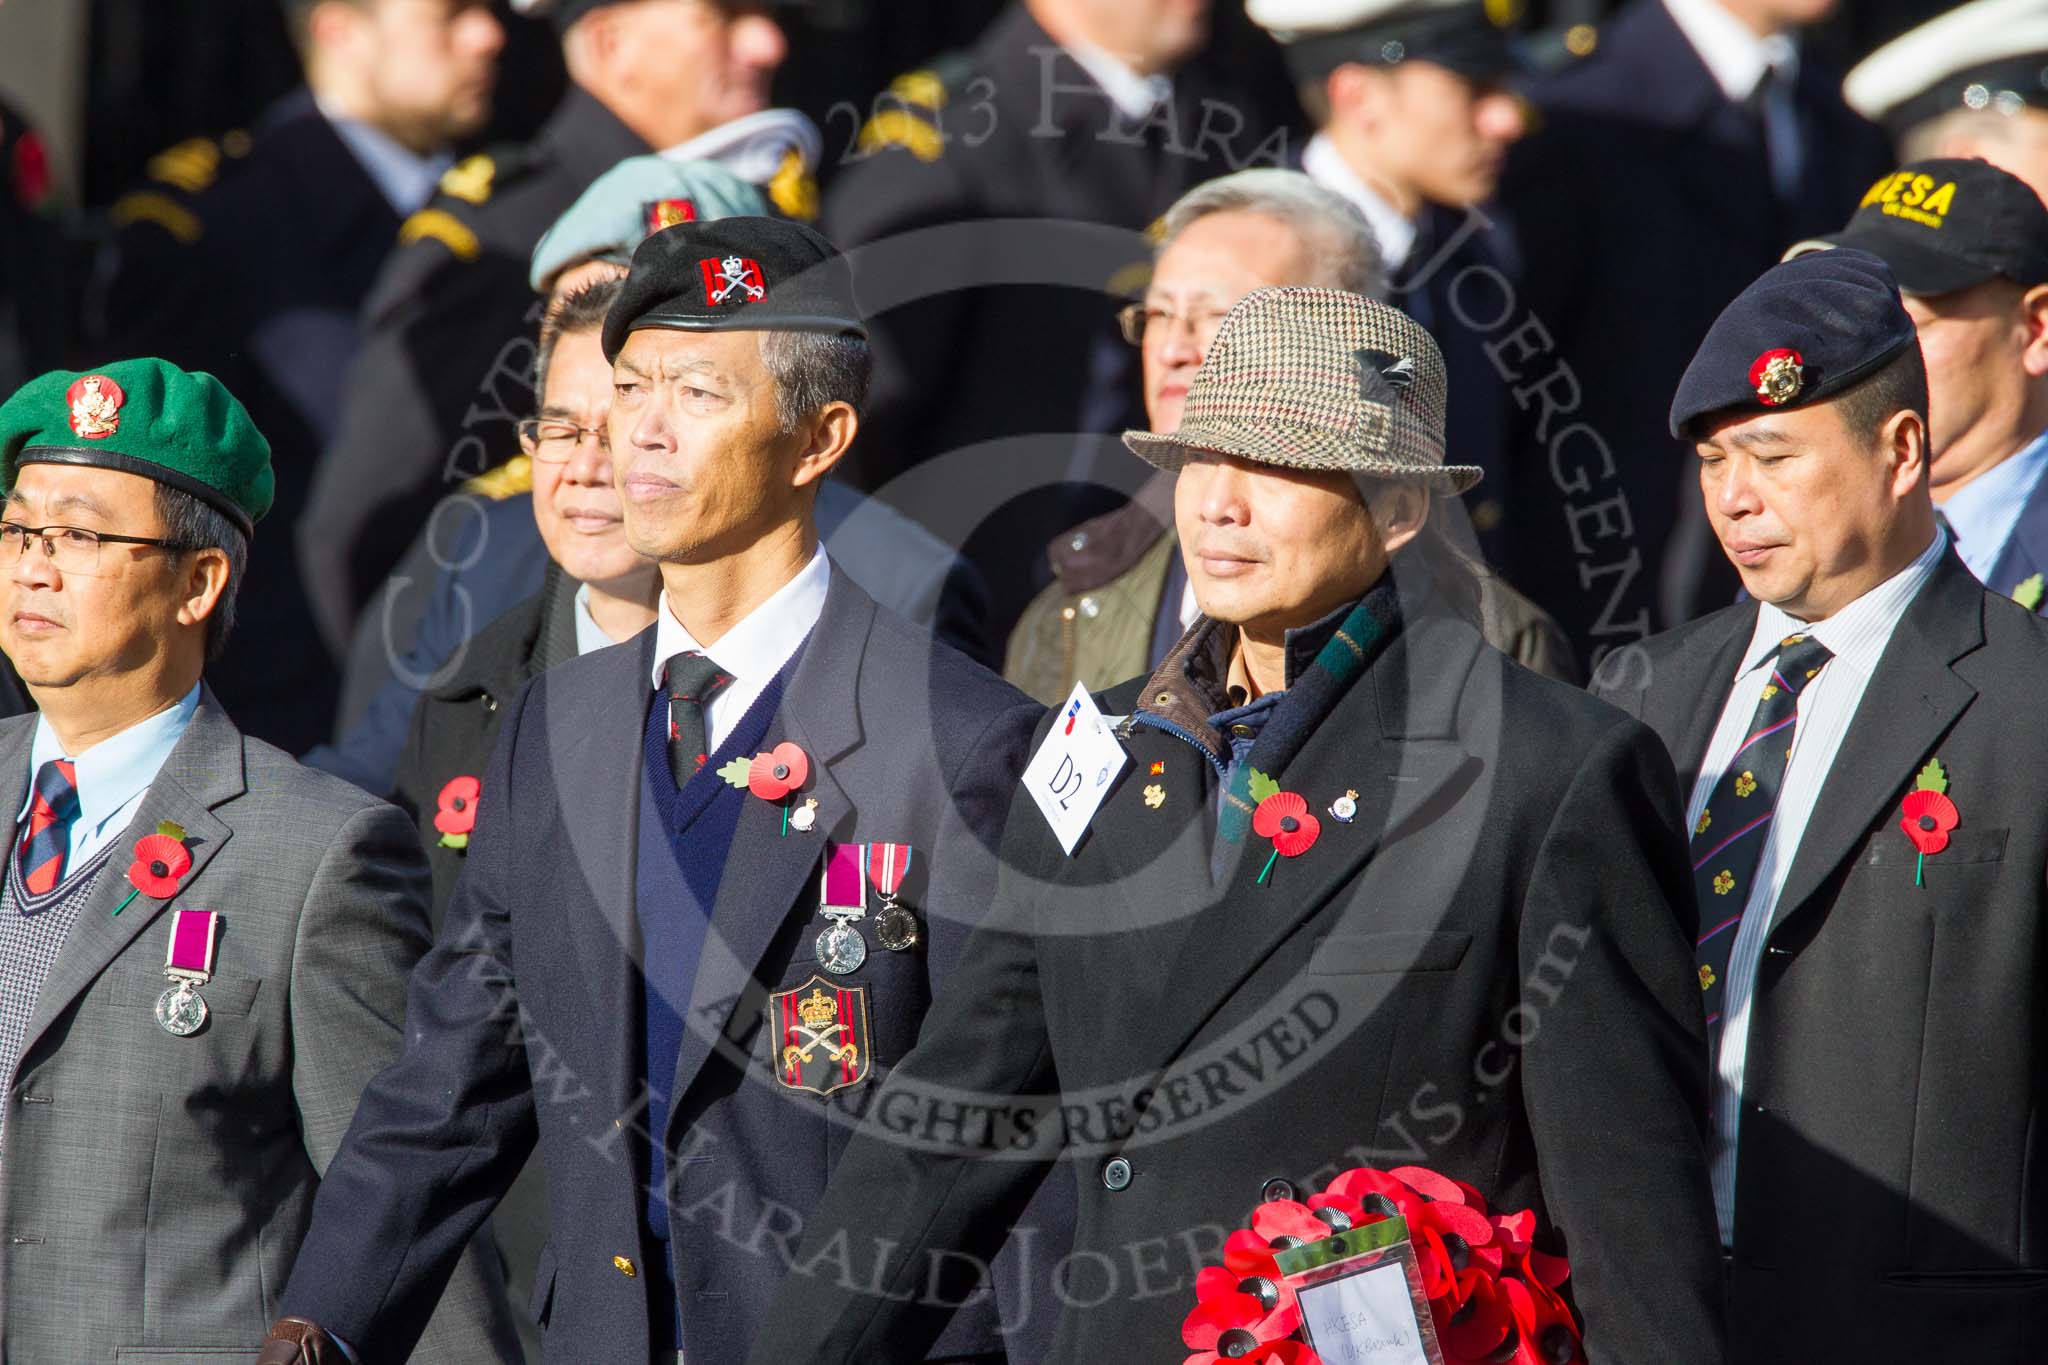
[1317, 379]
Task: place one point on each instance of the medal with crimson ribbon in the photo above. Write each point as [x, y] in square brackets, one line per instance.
[843, 899]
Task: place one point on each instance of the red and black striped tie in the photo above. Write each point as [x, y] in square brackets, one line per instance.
[50, 812]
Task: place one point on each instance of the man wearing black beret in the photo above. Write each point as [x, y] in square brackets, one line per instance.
[447, 343]
[714, 875]
[1862, 745]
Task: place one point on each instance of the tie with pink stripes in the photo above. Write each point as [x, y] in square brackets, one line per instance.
[47, 845]
[1728, 840]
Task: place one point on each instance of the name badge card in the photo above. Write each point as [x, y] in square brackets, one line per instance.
[1073, 769]
[1361, 1297]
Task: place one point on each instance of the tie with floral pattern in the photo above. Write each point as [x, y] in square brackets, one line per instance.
[1728, 840]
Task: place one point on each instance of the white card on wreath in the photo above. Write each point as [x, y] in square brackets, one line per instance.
[1364, 1319]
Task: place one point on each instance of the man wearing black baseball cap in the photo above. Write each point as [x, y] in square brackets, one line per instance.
[1413, 123]
[716, 874]
[1968, 244]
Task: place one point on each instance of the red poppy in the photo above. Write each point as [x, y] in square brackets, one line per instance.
[1283, 817]
[1929, 816]
[32, 178]
[1232, 1324]
[159, 862]
[774, 775]
[455, 812]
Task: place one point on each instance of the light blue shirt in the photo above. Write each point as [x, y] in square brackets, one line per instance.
[590, 636]
[1983, 512]
[405, 178]
[111, 776]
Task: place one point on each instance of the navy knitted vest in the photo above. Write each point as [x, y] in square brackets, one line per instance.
[684, 838]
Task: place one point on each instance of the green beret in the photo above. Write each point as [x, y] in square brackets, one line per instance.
[144, 417]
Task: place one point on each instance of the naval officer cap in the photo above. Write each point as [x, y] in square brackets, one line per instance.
[146, 417]
[1469, 37]
[735, 275]
[1989, 55]
[1946, 224]
[1805, 331]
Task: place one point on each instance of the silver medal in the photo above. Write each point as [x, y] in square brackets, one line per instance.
[840, 948]
[895, 928]
[181, 1010]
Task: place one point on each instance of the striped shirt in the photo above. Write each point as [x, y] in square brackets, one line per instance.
[1857, 636]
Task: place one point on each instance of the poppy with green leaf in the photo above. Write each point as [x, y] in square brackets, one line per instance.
[1927, 815]
[161, 859]
[1282, 817]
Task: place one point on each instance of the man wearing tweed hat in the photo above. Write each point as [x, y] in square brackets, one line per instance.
[203, 945]
[1362, 893]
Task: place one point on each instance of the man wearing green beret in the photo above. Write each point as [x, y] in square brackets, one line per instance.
[203, 945]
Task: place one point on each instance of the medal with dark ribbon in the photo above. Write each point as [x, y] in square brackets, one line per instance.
[895, 926]
[843, 899]
[188, 965]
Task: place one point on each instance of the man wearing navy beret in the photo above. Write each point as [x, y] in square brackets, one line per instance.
[714, 875]
[203, 945]
[1862, 745]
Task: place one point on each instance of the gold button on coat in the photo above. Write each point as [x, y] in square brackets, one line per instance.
[625, 1266]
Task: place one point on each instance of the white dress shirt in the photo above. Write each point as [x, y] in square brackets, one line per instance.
[754, 650]
[1857, 636]
[1134, 96]
[1737, 59]
[111, 776]
[1324, 164]
[1982, 513]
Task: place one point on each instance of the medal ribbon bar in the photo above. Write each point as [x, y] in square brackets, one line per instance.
[843, 887]
[192, 942]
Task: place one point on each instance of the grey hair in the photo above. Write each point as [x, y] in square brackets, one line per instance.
[190, 524]
[812, 370]
[1335, 230]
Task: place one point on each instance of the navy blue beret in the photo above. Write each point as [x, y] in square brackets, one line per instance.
[735, 275]
[1803, 332]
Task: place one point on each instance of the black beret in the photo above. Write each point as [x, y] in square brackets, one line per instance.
[1803, 332]
[735, 275]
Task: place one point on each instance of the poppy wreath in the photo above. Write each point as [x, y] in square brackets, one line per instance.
[161, 861]
[1927, 815]
[1493, 1297]
[455, 811]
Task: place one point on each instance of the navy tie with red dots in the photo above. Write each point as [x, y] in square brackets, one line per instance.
[691, 681]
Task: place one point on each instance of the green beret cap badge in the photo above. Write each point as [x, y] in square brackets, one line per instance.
[146, 417]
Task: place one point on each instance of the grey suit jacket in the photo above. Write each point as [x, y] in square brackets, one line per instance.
[154, 1189]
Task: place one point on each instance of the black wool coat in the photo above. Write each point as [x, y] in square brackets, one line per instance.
[1891, 1163]
[1487, 971]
